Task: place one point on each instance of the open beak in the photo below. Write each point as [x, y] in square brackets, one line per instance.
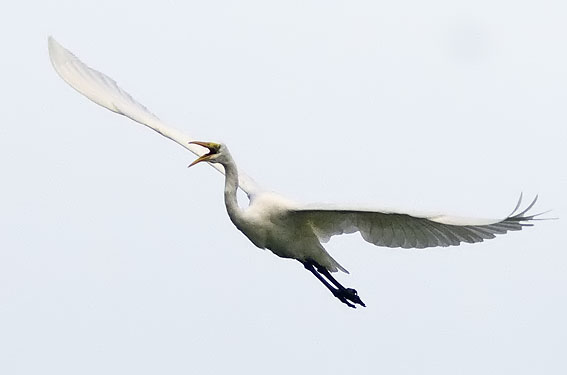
[212, 147]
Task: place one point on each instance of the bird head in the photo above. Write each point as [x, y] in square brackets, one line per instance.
[215, 154]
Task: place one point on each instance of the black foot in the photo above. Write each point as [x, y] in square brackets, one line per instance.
[348, 294]
[345, 295]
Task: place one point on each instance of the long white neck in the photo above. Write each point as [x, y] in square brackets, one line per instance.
[230, 188]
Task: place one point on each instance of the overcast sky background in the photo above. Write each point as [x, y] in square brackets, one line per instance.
[117, 259]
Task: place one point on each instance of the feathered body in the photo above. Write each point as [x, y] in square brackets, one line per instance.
[288, 229]
[269, 221]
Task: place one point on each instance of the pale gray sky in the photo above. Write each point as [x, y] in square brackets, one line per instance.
[115, 258]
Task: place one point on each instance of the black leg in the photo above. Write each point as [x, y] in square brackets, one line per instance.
[323, 271]
[343, 294]
[350, 293]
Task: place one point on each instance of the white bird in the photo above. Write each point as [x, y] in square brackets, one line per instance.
[288, 229]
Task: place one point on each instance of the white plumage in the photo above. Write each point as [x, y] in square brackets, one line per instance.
[270, 221]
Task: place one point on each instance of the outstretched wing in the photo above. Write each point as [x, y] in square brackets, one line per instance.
[104, 91]
[407, 231]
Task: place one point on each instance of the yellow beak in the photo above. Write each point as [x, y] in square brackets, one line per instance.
[212, 147]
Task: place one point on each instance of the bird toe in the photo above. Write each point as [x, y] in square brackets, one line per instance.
[348, 295]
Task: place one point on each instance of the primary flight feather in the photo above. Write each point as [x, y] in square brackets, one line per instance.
[270, 221]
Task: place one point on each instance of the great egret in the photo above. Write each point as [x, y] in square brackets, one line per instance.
[288, 229]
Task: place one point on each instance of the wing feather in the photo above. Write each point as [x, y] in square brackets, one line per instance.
[388, 234]
[438, 238]
[391, 229]
[105, 92]
[421, 235]
[410, 237]
[397, 240]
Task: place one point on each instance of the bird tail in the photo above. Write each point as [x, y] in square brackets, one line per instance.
[335, 266]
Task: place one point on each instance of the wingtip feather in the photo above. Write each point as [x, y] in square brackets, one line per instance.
[57, 53]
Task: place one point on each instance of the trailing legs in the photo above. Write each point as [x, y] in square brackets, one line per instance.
[345, 295]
